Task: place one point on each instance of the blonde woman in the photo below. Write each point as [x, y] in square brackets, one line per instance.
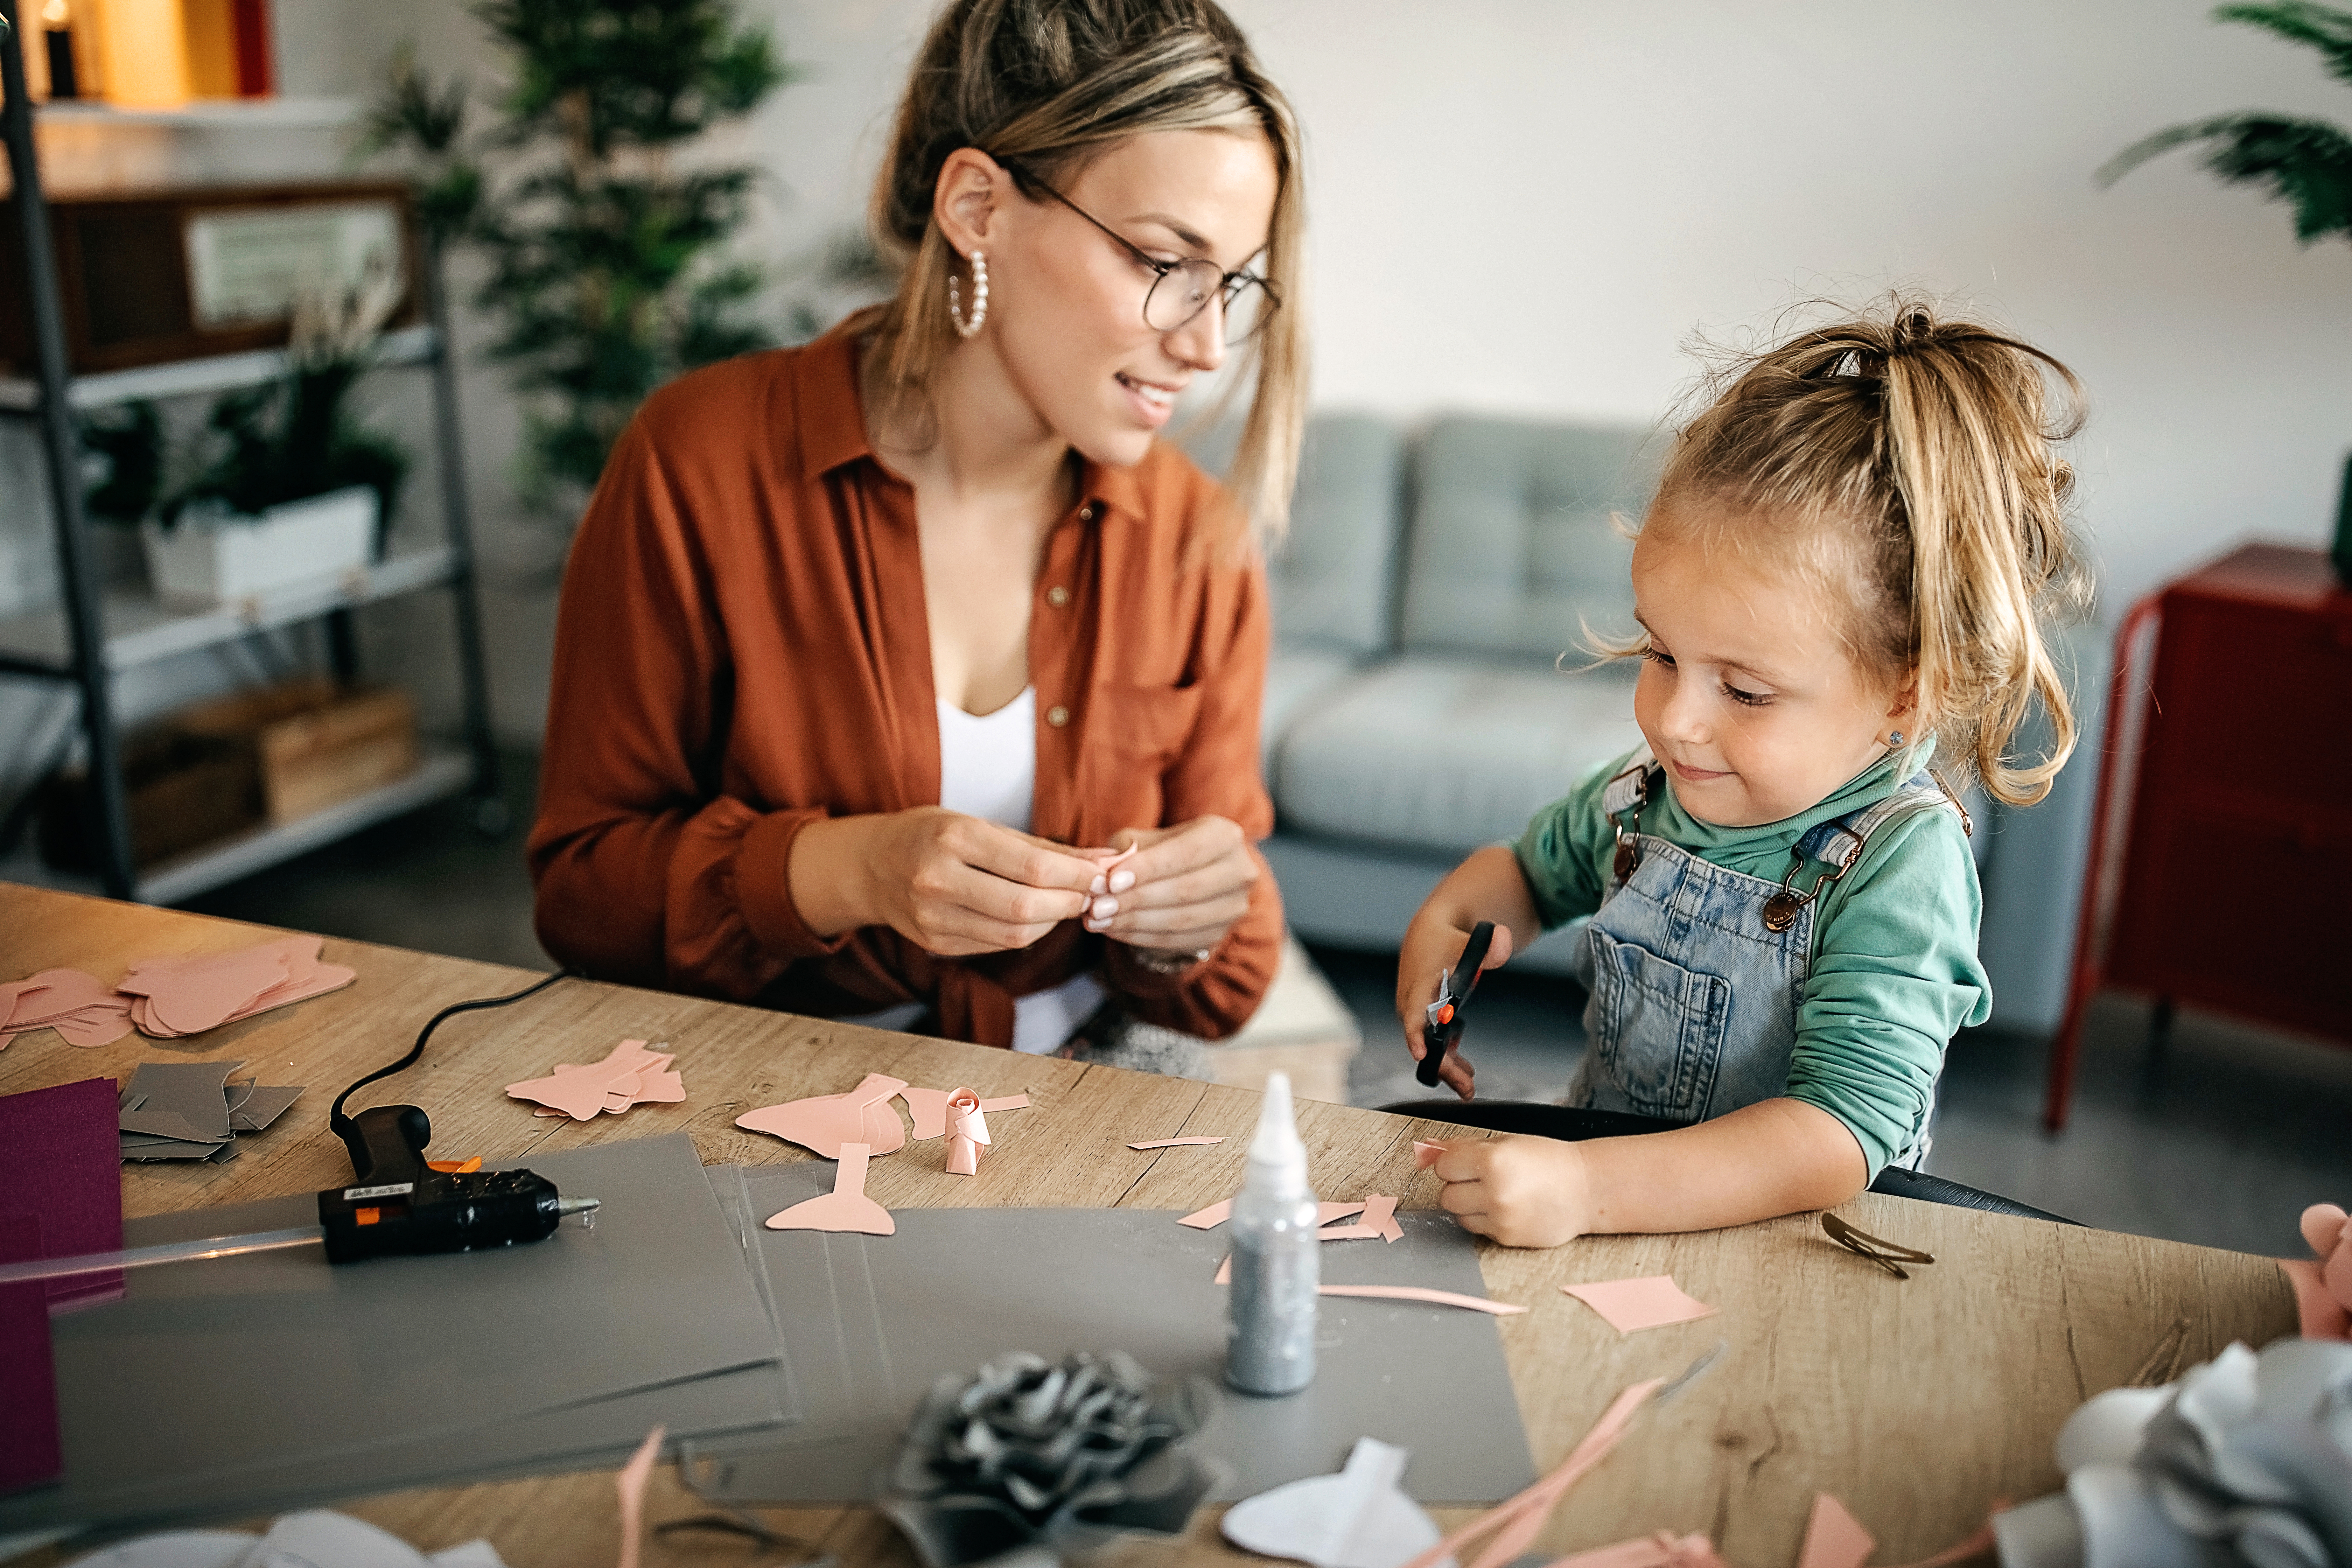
[873, 656]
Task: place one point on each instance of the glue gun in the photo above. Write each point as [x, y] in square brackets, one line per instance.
[399, 1203]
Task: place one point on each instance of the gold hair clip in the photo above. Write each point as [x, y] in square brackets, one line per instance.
[1887, 1254]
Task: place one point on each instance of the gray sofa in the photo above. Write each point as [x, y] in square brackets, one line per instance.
[1428, 692]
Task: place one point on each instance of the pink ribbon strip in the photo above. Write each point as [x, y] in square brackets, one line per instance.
[1517, 1521]
[1174, 1142]
[630, 1482]
[1420, 1293]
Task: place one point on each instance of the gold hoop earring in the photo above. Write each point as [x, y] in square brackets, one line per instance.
[969, 327]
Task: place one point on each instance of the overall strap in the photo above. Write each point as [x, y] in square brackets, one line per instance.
[1839, 843]
[1627, 788]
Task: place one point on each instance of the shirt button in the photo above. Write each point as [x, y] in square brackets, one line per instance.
[1057, 596]
[1086, 514]
[1057, 715]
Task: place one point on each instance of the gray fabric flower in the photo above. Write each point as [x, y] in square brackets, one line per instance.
[1028, 1451]
[2249, 1461]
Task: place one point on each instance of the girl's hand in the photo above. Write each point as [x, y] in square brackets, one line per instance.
[1180, 891]
[952, 884]
[1432, 946]
[1521, 1191]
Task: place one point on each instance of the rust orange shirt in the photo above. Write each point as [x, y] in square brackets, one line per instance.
[742, 649]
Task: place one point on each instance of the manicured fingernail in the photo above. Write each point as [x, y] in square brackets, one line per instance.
[1094, 925]
[1097, 889]
[1106, 908]
[1120, 881]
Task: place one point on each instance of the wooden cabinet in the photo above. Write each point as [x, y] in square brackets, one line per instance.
[2220, 864]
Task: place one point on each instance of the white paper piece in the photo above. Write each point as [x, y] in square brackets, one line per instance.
[1357, 1519]
[321, 1536]
[174, 1549]
[475, 1554]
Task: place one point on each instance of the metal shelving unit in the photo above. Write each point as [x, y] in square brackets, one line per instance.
[95, 635]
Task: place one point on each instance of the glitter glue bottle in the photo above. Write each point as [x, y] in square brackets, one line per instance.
[1278, 1260]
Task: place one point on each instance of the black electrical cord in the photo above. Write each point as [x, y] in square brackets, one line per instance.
[342, 1124]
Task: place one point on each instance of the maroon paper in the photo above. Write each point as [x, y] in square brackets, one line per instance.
[29, 1450]
[61, 1161]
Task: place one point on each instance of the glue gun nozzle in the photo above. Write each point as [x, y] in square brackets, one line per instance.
[585, 1207]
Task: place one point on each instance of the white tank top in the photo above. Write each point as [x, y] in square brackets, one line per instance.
[988, 768]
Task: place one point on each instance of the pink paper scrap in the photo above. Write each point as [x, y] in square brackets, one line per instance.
[1216, 1214]
[1833, 1537]
[1175, 1144]
[1426, 1154]
[1632, 1305]
[1664, 1550]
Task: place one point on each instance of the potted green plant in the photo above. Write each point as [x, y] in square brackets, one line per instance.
[2306, 163]
[285, 484]
[604, 247]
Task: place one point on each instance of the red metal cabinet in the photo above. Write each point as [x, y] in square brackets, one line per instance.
[2221, 865]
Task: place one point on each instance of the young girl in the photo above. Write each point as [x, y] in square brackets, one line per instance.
[1845, 574]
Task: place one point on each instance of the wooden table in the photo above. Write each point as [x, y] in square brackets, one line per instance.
[1917, 1403]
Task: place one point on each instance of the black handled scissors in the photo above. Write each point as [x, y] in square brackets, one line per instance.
[1443, 1029]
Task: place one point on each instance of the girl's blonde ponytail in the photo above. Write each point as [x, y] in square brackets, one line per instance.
[1910, 459]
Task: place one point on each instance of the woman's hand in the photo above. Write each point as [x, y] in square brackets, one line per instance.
[952, 884]
[1521, 1191]
[1181, 890]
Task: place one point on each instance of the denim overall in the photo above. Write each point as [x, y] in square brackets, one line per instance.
[1696, 971]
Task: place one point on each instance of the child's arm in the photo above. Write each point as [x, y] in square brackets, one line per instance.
[1776, 1157]
[1487, 887]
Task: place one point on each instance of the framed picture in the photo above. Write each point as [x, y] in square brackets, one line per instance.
[148, 278]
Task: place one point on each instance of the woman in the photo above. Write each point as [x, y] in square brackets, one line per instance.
[872, 653]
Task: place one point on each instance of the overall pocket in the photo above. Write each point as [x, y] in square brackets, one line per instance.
[1657, 1028]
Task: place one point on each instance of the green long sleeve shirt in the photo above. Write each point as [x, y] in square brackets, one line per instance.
[1893, 971]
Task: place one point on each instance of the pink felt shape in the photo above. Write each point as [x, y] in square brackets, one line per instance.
[101, 1024]
[1175, 1143]
[1006, 1102]
[1379, 1221]
[581, 1093]
[189, 996]
[846, 1208]
[1517, 1521]
[51, 994]
[1632, 1305]
[1426, 1154]
[1833, 1537]
[824, 1123]
[630, 1482]
[1663, 1550]
[2323, 1289]
[967, 1130]
[929, 1108]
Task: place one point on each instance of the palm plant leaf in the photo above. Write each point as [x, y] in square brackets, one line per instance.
[2324, 28]
[2306, 163]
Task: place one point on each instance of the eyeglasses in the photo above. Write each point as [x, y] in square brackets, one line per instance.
[1179, 289]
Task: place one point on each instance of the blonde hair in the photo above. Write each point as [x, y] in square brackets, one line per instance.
[1049, 82]
[1907, 461]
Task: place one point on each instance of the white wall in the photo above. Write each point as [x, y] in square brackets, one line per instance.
[1529, 206]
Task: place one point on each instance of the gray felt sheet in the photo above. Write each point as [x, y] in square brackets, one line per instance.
[238, 1383]
[871, 1320]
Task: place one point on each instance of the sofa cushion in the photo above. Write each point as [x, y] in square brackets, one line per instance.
[1513, 547]
[1447, 753]
[1295, 678]
[1333, 577]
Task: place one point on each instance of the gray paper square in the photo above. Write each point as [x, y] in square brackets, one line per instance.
[214, 1382]
[955, 1288]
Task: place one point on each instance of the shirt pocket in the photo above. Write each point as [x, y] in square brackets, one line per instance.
[1145, 726]
[1134, 736]
[1657, 1028]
